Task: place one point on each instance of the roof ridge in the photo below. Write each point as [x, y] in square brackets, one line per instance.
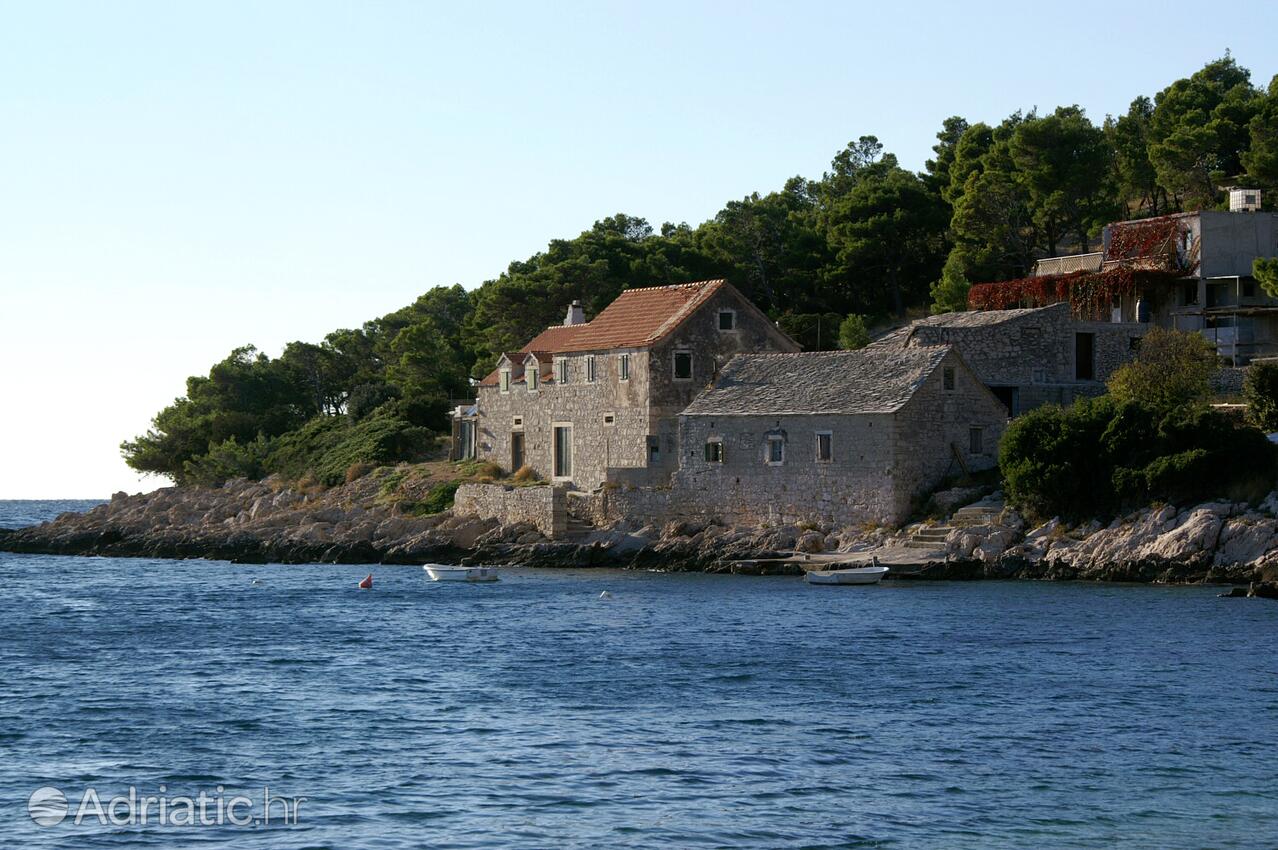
[687, 285]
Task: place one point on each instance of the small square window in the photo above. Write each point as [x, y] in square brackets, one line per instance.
[947, 377]
[518, 422]
[727, 320]
[683, 366]
[976, 440]
[610, 419]
[824, 446]
[714, 451]
[623, 367]
[776, 450]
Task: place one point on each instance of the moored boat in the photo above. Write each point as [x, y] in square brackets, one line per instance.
[850, 575]
[443, 572]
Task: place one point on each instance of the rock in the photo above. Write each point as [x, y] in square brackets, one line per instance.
[1263, 590]
[810, 541]
[1234, 593]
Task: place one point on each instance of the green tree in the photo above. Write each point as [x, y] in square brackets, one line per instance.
[1135, 175]
[853, 333]
[946, 150]
[1261, 158]
[949, 294]
[1260, 390]
[1065, 164]
[1265, 271]
[1199, 130]
[1171, 369]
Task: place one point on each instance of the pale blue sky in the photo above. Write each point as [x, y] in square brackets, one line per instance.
[177, 179]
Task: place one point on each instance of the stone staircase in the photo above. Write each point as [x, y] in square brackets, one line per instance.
[578, 522]
[981, 513]
[930, 537]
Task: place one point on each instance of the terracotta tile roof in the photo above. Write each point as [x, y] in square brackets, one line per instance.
[819, 382]
[638, 317]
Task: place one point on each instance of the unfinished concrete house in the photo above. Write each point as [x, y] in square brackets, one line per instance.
[592, 401]
[1031, 356]
[839, 436]
[1190, 271]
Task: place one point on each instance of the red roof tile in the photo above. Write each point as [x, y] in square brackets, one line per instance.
[638, 317]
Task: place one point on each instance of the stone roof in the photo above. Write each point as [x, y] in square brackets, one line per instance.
[819, 382]
[969, 319]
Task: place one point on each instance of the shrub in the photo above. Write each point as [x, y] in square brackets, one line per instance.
[437, 500]
[366, 398]
[329, 445]
[228, 459]
[1102, 456]
[356, 471]
[525, 474]
[1260, 391]
[853, 334]
[1172, 368]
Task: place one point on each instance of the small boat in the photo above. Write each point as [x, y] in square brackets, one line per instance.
[441, 572]
[850, 575]
[367, 583]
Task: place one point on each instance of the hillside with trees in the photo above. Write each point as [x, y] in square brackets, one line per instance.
[867, 239]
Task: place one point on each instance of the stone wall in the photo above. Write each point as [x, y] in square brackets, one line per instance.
[1034, 353]
[542, 506]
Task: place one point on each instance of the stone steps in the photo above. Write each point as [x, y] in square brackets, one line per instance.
[930, 537]
[976, 515]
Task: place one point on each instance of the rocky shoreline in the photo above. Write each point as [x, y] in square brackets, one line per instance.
[373, 520]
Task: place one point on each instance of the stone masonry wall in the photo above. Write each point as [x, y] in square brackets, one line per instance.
[543, 507]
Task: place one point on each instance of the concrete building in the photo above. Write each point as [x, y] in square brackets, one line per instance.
[1028, 357]
[592, 401]
[1189, 271]
[840, 436]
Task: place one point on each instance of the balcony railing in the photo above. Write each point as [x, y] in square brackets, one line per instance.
[1069, 264]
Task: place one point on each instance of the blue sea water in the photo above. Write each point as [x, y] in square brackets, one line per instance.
[684, 711]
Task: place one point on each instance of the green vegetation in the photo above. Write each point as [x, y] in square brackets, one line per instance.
[1153, 438]
[1260, 391]
[867, 238]
[853, 333]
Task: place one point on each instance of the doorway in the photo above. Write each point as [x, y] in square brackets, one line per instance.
[516, 450]
[1084, 357]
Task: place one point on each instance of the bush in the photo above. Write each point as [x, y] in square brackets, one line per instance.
[366, 398]
[525, 474]
[437, 500]
[228, 459]
[1102, 456]
[1260, 391]
[327, 446]
[1172, 368]
[853, 334]
[356, 471]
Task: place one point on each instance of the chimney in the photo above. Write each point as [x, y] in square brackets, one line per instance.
[576, 314]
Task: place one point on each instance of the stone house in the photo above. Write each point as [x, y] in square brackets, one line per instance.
[839, 436]
[592, 401]
[1028, 357]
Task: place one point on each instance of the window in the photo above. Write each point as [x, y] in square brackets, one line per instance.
[516, 450]
[533, 377]
[947, 377]
[683, 366]
[623, 367]
[561, 370]
[714, 451]
[776, 451]
[727, 320]
[1249, 199]
[505, 380]
[517, 422]
[563, 451]
[1189, 294]
[976, 440]
[590, 369]
[1249, 289]
[610, 419]
[824, 446]
[654, 449]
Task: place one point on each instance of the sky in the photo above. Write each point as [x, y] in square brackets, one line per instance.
[178, 179]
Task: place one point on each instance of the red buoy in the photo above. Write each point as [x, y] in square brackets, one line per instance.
[367, 583]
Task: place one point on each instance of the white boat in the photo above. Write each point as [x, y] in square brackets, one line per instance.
[442, 572]
[850, 575]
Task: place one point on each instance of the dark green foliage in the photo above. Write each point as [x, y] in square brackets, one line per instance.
[813, 331]
[1265, 270]
[228, 459]
[1260, 390]
[1172, 369]
[366, 398]
[1100, 457]
[327, 446]
[853, 333]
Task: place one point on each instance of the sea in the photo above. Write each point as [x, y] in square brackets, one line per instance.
[605, 708]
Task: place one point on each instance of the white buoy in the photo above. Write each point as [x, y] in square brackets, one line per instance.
[605, 595]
